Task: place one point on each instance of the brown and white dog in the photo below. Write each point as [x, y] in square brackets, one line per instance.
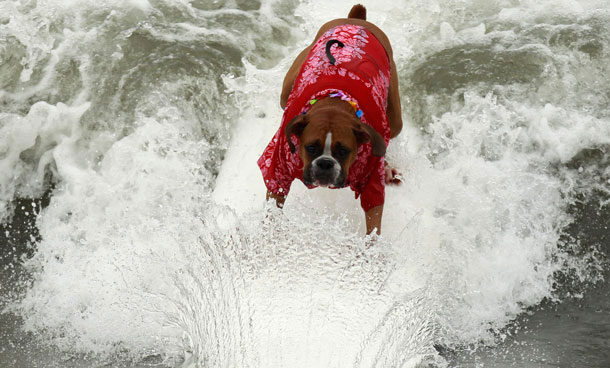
[341, 107]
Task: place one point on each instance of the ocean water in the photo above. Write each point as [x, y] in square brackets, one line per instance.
[134, 226]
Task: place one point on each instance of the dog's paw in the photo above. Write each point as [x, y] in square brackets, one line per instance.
[392, 176]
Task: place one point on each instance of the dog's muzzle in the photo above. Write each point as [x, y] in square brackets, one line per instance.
[326, 172]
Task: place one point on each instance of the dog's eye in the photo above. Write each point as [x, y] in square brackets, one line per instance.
[342, 153]
[312, 149]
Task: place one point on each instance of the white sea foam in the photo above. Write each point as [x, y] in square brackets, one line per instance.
[144, 251]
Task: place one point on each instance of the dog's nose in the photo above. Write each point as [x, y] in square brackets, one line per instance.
[325, 163]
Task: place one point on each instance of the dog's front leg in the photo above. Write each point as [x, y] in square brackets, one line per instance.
[373, 219]
[279, 199]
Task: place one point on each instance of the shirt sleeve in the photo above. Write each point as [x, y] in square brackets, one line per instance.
[373, 194]
[277, 166]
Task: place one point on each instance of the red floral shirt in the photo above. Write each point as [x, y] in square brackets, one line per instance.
[362, 73]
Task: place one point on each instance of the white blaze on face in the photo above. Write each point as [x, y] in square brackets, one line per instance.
[327, 155]
[329, 141]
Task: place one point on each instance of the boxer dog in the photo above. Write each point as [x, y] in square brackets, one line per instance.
[341, 107]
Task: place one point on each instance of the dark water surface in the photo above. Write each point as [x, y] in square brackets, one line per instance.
[572, 332]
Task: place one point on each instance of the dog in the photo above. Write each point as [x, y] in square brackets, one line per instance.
[341, 108]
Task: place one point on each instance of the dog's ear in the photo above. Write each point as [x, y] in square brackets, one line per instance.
[296, 127]
[365, 133]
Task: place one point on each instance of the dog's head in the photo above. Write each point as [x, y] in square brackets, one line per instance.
[329, 141]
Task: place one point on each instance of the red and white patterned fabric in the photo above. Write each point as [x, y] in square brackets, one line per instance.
[362, 73]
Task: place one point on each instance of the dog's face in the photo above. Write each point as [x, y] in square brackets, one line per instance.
[329, 141]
